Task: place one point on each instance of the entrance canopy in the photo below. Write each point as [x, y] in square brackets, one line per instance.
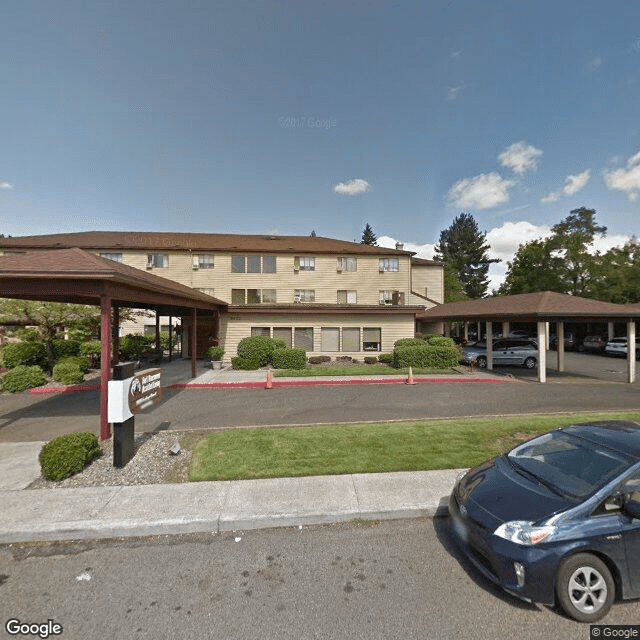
[542, 307]
[79, 277]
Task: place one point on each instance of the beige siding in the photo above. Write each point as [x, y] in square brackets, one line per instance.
[235, 327]
[428, 281]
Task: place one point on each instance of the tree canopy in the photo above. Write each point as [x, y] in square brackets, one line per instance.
[368, 237]
[463, 248]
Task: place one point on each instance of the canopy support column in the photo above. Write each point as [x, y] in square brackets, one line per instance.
[105, 364]
[489, 343]
[542, 351]
[194, 342]
[631, 351]
[560, 345]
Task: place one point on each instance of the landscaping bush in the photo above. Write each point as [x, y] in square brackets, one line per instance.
[22, 377]
[370, 360]
[439, 341]
[132, 346]
[28, 335]
[164, 340]
[65, 348]
[259, 348]
[288, 358]
[79, 361]
[67, 372]
[386, 358]
[65, 455]
[215, 353]
[319, 359]
[344, 359]
[24, 353]
[409, 342]
[93, 350]
[425, 356]
[244, 363]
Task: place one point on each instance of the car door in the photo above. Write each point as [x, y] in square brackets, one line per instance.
[631, 489]
[500, 353]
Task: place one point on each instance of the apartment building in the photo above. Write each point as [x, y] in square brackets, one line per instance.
[328, 296]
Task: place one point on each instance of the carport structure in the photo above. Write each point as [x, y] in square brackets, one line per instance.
[79, 277]
[541, 308]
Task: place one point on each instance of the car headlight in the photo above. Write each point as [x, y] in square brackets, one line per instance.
[525, 533]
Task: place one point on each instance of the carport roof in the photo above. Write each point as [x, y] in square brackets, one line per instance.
[541, 306]
[75, 275]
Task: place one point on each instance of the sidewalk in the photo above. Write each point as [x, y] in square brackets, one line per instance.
[197, 507]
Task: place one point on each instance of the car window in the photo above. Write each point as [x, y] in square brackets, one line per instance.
[499, 344]
[569, 464]
[612, 503]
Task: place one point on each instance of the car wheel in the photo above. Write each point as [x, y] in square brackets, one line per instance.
[585, 588]
[530, 363]
[481, 362]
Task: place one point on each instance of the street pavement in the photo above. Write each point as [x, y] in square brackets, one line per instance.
[110, 511]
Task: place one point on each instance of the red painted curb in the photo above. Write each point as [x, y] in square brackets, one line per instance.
[70, 389]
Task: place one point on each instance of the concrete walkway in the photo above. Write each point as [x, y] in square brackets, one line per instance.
[197, 507]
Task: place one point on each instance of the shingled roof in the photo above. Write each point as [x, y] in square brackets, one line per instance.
[156, 241]
[544, 306]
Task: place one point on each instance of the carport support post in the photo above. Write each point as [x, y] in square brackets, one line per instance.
[157, 331]
[542, 351]
[105, 364]
[560, 345]
[489, 329]
[194, 316]
[631, 350]
[505, 329]
[610, 330]
[465, 332]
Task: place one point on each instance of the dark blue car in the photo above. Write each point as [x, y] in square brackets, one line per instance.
[557, 519]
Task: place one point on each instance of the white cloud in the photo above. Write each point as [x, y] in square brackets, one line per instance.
[422, 250]
[627, 180]
[482, 192]
[572, 185]
[520, 157]
[453, 92]
[352, 187]
[5, 185]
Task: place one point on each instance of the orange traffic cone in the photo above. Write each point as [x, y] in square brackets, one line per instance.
[410, 379]
[269, 380]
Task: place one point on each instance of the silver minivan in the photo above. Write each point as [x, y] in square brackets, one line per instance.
[518, 351]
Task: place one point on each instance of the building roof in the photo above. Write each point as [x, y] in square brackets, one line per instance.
[157, 241]
[75, 275]
[544, 305]
[302, 308]
[424, 262]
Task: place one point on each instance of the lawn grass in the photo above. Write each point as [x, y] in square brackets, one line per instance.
[356, 370]
[369, 448]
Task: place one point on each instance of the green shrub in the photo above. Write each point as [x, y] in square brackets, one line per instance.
[386, 357]
[439, 341]
[93, 350]
[132, 346]
[370, 359]
[28, 335]
[319, 359]
[24, 353]
[409, 342]
[22, 377]
[65, 348]
[425, 356]
[65, 455]
[164, 340]
[67, 372]
[259, 348]
[288, 358]
[244, 363]
[215, 353]
[79, 361]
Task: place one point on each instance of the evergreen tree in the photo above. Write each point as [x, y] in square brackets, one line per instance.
[463, 249]
[368, 237]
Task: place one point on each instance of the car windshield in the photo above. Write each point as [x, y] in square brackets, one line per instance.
[566, 464]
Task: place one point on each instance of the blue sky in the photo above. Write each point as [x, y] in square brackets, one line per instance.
[287, 117]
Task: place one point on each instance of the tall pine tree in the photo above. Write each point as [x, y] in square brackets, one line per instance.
[368, 237]
[462, 247]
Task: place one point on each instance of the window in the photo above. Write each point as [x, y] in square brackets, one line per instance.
[388, 264]
[203, 261]
[330, 339]
[371, 339]
[391, 297]
[116, 257]
[304, 295]
[150, 329]
[237, 264]
[238, 296]
[268, 264]
[253, 296]
[269, 296]
[347, 263]
[260, 331]
[304, 263]
[351, 339]
[303, 338]
[283, 333]
[347, 297]
[253, 264]
[159, 260]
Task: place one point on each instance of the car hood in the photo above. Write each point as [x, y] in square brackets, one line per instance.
[494, 492]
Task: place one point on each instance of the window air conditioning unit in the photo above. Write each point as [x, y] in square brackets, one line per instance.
[296, 298]
[339, 269]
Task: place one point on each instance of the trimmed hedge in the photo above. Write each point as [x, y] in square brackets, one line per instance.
[409, 342]
[132, 346]
[67, 372]
[288, 358]
[439, 341]
[259, 348]
[319, 359]
[65, 455]
[65, 348]
[370, 359]
[425, 355]
[215, 353]
[91, 349]
[246, 364]
[22, 377]
[24, 353]
[386, 357]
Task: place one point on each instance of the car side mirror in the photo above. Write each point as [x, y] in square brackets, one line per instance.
[632, 508]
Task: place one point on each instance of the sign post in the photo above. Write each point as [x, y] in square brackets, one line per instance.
[130, 394]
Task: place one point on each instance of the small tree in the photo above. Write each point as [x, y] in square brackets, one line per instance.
[368, 237]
